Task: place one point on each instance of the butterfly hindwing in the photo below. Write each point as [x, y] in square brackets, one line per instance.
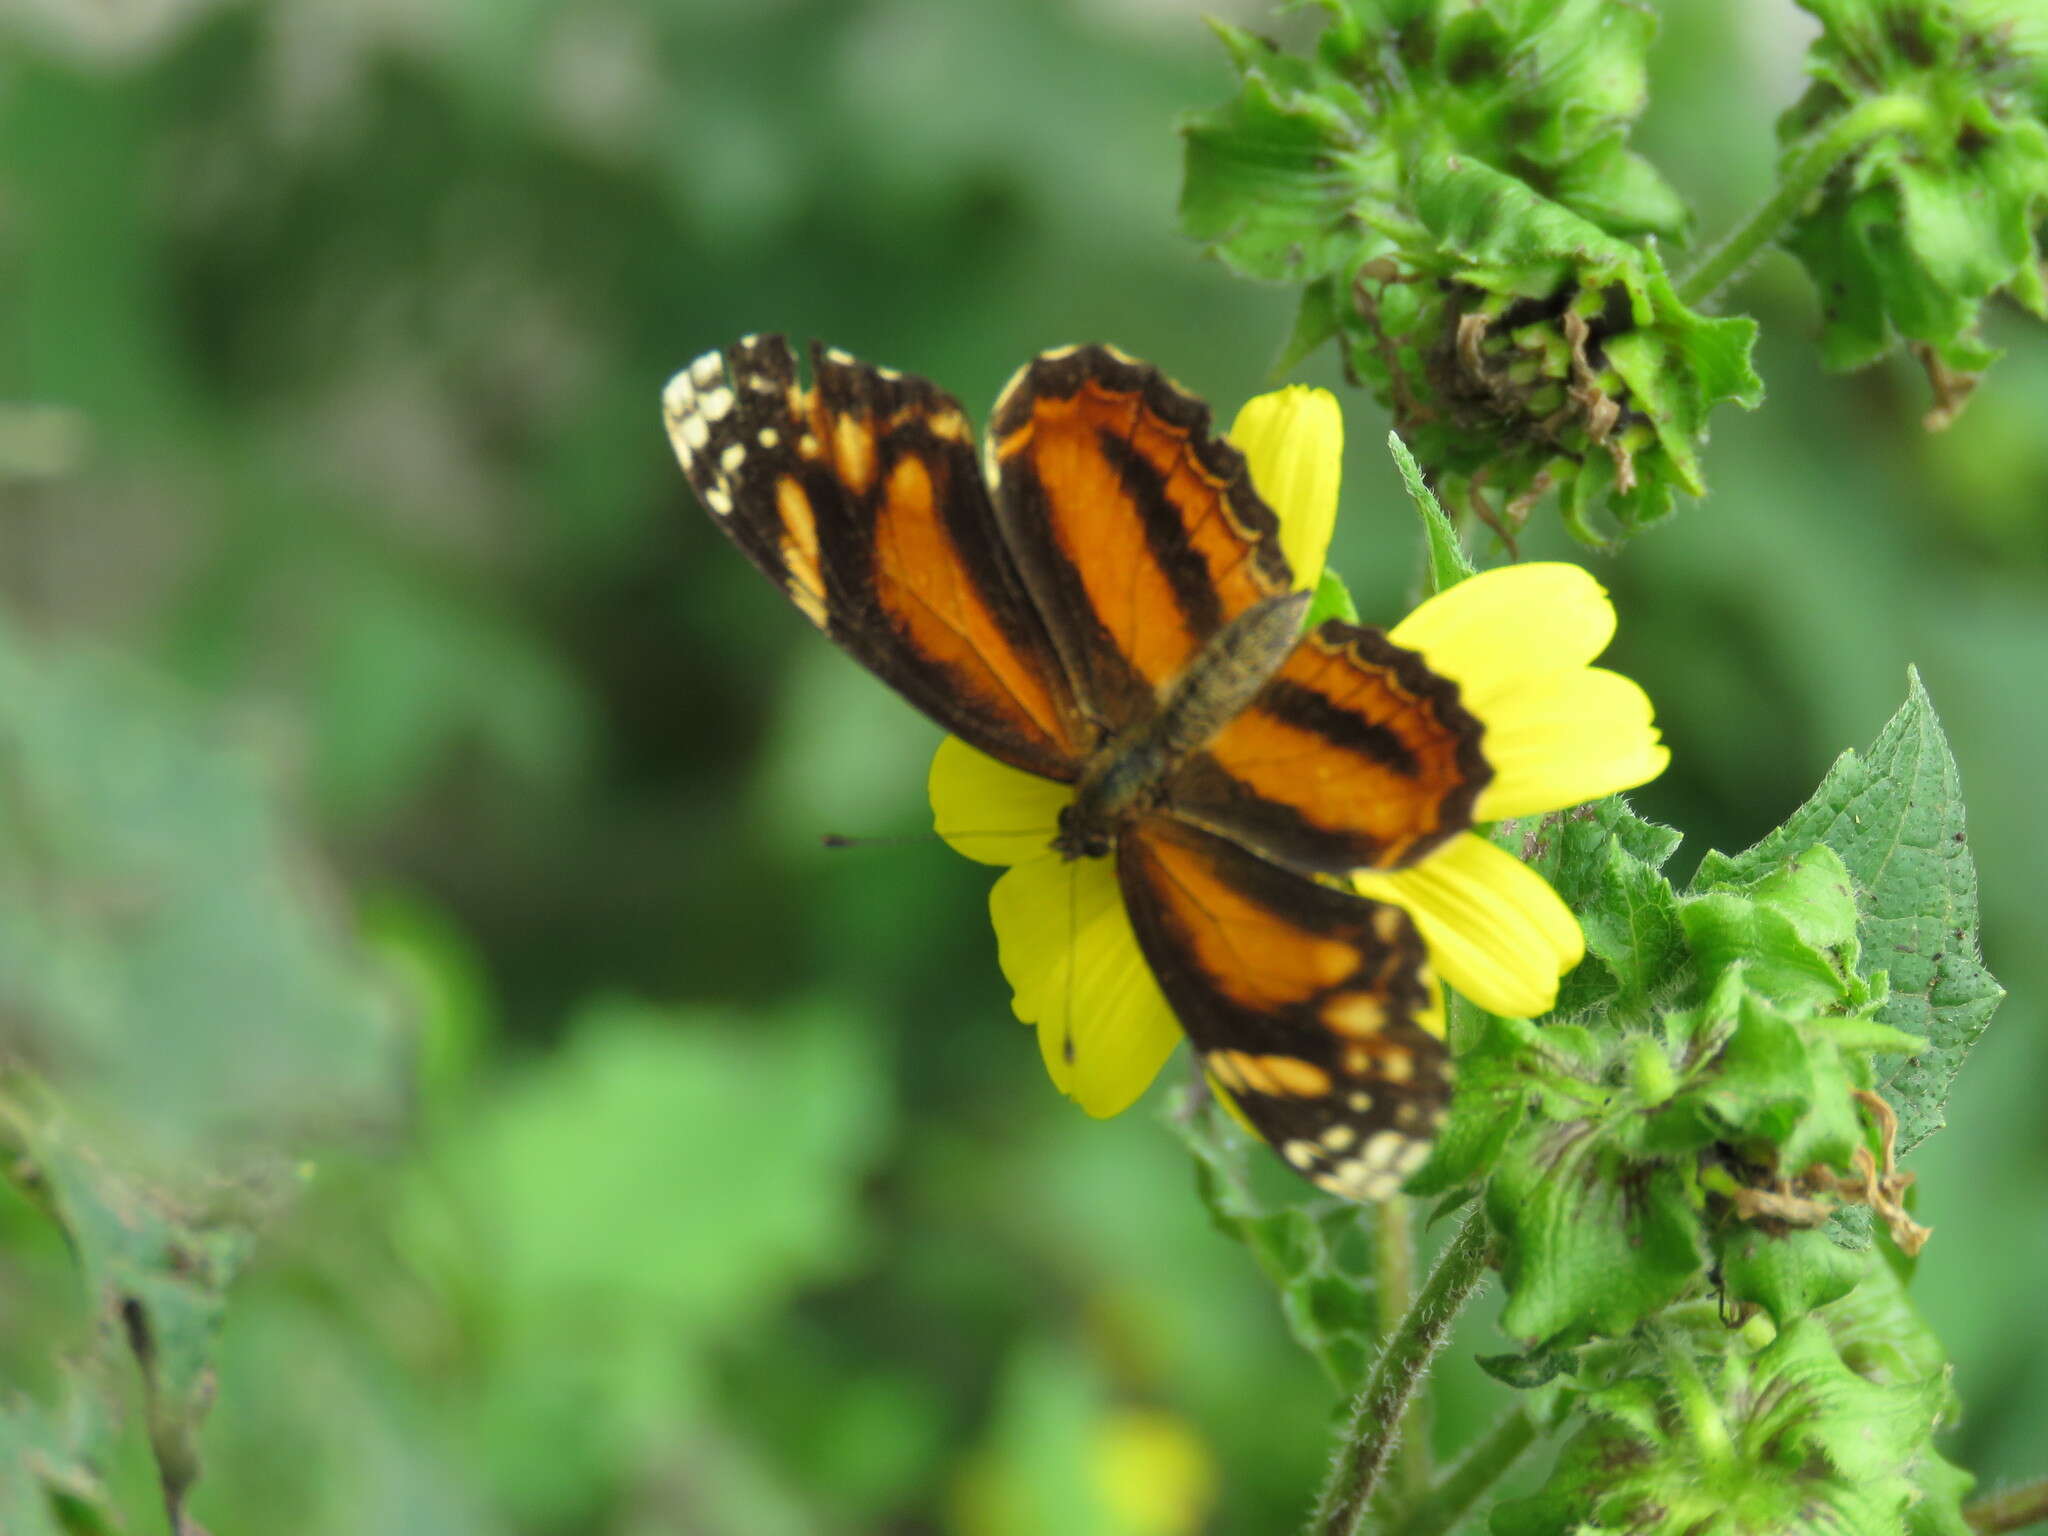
[1305, 1003]
[861, 497]
[1354, 755]
[1137, 532]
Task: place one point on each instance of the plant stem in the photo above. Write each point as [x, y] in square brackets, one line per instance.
[1397, 1374]
[1476, 1471]
[1394, 1268]
[1810, 166]
[2011, 1509]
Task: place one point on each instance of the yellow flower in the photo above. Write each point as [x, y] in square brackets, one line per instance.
[1518, 641]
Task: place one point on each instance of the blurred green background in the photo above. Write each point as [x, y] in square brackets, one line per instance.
[707, 1185]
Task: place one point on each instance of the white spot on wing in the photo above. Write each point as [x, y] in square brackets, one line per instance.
[695, 432]
[718, 499]
[734, 456]
[716, 403]
[1382, 1149]
[708, 370]
[678, 395]
[770, 437]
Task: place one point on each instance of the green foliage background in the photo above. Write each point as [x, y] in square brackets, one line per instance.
[666, 1171]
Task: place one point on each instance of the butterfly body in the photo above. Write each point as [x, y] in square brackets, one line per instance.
[1105, 604]
[1133, 775]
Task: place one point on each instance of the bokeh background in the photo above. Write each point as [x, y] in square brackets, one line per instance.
[722, 1194]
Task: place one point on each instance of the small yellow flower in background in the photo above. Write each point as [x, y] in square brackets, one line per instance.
[1153, 1473]
[1518, 642]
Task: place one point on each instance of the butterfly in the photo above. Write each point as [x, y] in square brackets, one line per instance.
[1104, 603]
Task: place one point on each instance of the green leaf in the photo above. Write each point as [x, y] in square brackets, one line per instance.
[660, 1183]
[1496, 1065]
[1595, 1240]
[1525, 1372]
[1894, 817]
[1784, 1088]
[1546, 91]
[1319, 317]
[1881, 1335]
[1943, 1487]
[50, 1483]
[168, 954]
[1633, 929]
[156, 1274]
[1448, 562]
[1309, 1246]
[1787, 1273]
[1574, 851]
[1332, 601]
[1793, 933]
[1273, 181]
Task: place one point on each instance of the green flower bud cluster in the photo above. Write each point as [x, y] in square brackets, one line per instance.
[1711, 1431]
[1941, 207]
[1451, 184]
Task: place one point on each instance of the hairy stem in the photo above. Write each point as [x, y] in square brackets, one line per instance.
[1802, 177]
[1394, 1269]
[1397, 1374]
[2011, 1509]
[1485, 1464]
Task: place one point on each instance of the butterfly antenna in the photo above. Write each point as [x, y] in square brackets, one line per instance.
[849, 840]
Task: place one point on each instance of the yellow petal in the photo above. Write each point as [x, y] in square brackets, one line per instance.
[991, 812]
[1293, 443]
[1074, 968]
[1564, 739]
[1494, 629]
[1495, 929]
[1431, 1014]
[1516, 640]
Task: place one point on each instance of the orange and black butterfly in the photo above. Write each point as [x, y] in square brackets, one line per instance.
[1108, 607]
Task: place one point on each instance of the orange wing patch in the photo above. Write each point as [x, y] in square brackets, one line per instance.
[1354, 756]
[1307, 1003]
[943, 613]
[1252, 954]
[1136, 530]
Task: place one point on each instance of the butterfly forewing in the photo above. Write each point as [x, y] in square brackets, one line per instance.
[1303, 1001]
[861, 497]
[1139, 534]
